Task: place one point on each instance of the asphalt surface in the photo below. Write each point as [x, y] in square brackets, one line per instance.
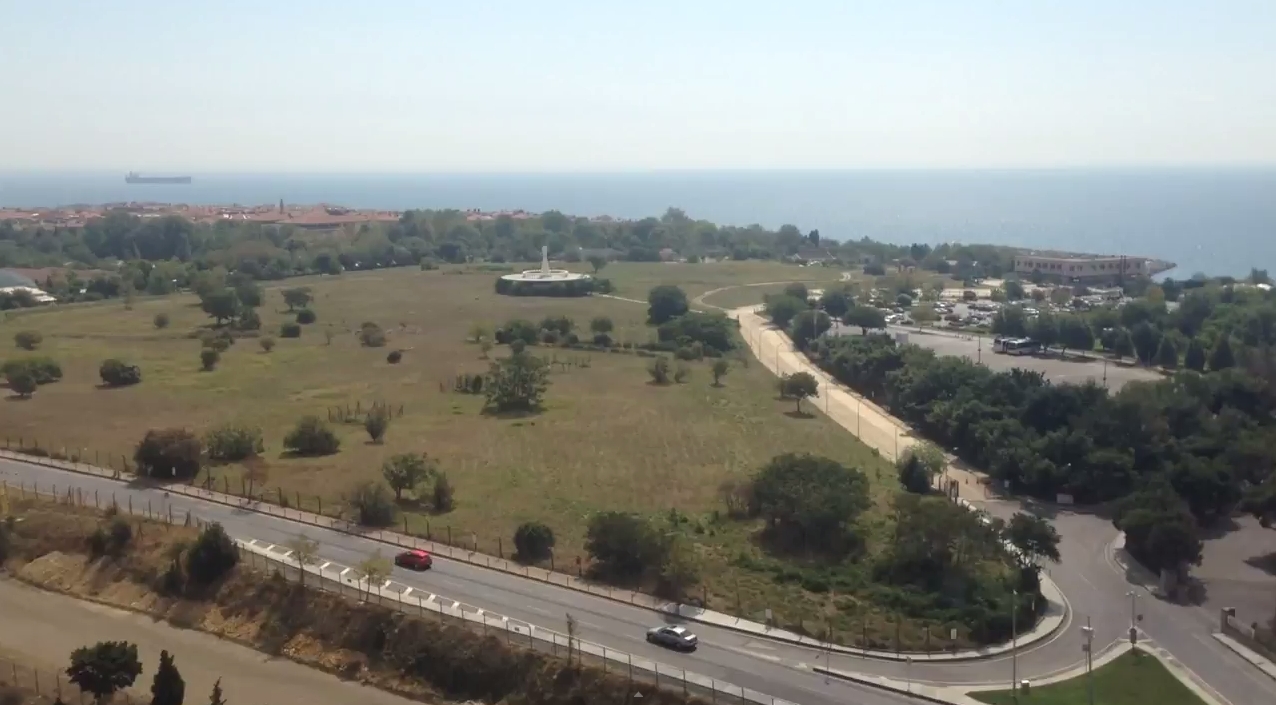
[1074, 369]
[776, 669]
[1095, 586]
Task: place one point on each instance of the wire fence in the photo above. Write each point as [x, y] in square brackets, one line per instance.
[644, 675]
[48, 685]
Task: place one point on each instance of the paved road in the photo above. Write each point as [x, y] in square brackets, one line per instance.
[777, 669]
[42, 628]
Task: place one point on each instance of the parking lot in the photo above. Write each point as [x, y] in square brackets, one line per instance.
[1074, 370]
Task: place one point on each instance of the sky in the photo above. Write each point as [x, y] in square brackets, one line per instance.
[386, 86]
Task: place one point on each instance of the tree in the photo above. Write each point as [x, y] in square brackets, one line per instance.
[212, 556]
[222, 305]
[659, 370]
[371, 335]
[1044, 329]
[311, 437]
[28, 339]
[406, 471]
[443, 495]
[374, 569]
[1260, 502]
[913, 474]
[22, 382]
[118, 374]
[1194, 359]
[601, 324]
[597, 262]
[904, 300]
[161, 320]
[665, 302]
[782, 309]
[808, 326]
[516, 384]
[720, 369]
[291, 329]
[304, 551]
[1222, 357]
[306, 316]
[215, 698]
[104, 668]
[1075, 333]
[534, 541]
[371, 504]
[267, 343]
[1123, 343]
[865, 317]
[168, 454]
[810, 500]
[799, 386]
[1167, 355]
[835, 303]
[1034, 538]
[377, 422]
[1014, 290]
[298, 297]
[249, 294]
[167, 688]
[798, 291]
[1146, 338]
[623, 546]
[208, 359]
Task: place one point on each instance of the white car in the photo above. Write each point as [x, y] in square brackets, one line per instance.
[673, 637]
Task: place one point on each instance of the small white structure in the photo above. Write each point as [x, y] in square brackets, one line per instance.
[545, 274]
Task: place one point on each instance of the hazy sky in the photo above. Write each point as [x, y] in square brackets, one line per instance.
[601, 85]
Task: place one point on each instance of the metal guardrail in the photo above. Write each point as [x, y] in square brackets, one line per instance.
[641, 672]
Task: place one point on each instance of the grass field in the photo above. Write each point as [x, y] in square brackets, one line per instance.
[607, 439]
[1134, 678]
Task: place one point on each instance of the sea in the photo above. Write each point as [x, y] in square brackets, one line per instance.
[1212, 221]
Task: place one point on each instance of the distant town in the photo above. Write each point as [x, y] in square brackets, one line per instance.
[312, 217]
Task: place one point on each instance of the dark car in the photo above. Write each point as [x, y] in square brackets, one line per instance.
[673, 637]
[415, 559]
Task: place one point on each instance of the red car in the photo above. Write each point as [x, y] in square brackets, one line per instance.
[415, 559]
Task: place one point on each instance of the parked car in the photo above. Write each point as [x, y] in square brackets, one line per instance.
[414, 560]
[673, 637]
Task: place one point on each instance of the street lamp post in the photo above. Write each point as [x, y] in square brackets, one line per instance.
[1134, 619]
[1088, 647]
[1014, 644]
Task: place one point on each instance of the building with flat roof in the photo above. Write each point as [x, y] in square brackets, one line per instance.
[1081, 268]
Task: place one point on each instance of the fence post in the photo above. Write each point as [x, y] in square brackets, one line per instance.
[449, 534]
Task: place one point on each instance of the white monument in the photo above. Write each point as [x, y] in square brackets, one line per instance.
[545, 274]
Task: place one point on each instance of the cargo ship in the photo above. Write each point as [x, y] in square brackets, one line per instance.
[135, 178]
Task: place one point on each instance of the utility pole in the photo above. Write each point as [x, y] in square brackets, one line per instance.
[1134, 619]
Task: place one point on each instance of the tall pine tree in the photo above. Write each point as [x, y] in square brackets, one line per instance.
[168, 688]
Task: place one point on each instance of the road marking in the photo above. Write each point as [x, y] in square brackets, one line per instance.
[386, 584]
[407, 591]
[347, 570]
[325, 565]
[287, 553]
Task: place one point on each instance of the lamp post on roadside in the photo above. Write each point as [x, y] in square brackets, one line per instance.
[1088, 647]
[1134, 619]
[1014, 644]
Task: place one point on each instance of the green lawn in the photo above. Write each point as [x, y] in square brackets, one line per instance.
[1134, 678]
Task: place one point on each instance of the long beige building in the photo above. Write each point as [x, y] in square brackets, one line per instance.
[1087, 268]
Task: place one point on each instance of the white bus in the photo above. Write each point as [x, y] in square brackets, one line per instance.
[1016, 346]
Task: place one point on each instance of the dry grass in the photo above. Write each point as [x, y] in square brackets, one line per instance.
[607, 441]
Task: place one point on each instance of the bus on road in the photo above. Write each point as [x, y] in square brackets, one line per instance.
[1016, 346]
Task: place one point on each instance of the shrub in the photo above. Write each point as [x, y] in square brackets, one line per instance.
[516, 383]
[209, 358]
[371, 335]
[267, 343]
[443, 494]
[119, 535]
[560, 324]
[43, 369]
[248, 320]
[311, 437]
[372, 504]
[161, 320]
[168, 453]
[602, 339]
[22, 383]
[306, 316]
[659, 370]
[549, 337]
[115, 373]
[376, 423]
[689, 352]
[517, 329]
[623, 546]
[230, 443]
[28, 339]
[534, 541]
[212, 556]
[681, 373]
[602, 324]
[290, 330]
[394, 357]
[720, 369]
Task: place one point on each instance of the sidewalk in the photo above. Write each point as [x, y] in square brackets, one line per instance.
[1247, 654]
